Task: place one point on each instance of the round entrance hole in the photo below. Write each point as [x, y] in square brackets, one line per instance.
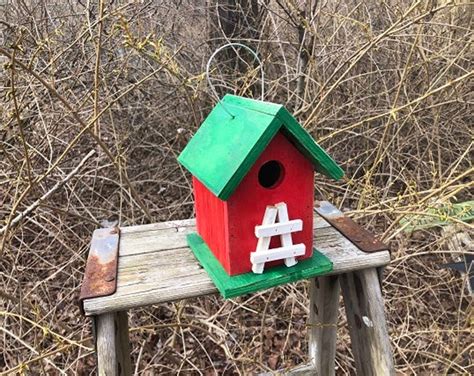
[270, 174]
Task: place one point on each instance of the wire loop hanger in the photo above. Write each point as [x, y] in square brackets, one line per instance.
[208, 67]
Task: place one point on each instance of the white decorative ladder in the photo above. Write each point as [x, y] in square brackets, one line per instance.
[284, 227]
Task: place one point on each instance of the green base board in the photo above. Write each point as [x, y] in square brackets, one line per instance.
[232, 286]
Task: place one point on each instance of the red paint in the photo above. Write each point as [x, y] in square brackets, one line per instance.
[228, 227]
[211, 221]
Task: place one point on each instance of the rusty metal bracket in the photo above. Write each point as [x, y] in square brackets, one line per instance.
[363, 239]
[100, 277]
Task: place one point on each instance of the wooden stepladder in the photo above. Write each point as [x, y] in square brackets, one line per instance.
[283, 228]
[161, 257]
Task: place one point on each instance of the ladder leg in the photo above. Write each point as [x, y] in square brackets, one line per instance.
[323, 311]
[123, 343]
[112, 344]
[367, 327]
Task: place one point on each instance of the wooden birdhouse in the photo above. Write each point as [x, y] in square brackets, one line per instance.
[253, 168]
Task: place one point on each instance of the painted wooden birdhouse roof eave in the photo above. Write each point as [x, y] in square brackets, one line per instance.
[225, 147]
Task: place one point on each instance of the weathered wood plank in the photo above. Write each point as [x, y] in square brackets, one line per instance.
[158, 226]
[122, 341]
[166, 235]
[112, 344]
[323, 312]
[307, 370]
[367, 327]
[318, 223]
[304, 370]
[156, 266]
[105, 345]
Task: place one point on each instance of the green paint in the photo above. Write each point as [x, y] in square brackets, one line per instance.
[439, 216]
[305, 144]
[225, 147]
[232, 286]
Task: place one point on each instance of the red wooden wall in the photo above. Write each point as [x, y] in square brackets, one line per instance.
[211, 222]
[228, 227]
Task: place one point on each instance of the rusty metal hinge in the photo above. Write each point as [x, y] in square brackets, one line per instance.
[359, 236]
[100, 277]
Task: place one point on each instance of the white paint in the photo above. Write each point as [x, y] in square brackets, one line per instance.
[368, 322]
[283, 228]
[277, 253]
[278, 228]
[264, 242]
[291, 261]
[286, 239]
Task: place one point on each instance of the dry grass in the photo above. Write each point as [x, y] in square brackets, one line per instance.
[386, 89]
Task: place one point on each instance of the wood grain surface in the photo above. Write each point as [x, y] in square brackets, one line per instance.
[156, 265]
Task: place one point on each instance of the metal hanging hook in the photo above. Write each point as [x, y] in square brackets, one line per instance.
[208, 66]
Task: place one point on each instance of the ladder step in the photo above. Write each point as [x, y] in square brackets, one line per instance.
[277, 253]
[278, 228]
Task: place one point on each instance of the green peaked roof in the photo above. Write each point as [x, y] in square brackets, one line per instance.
[226, 146]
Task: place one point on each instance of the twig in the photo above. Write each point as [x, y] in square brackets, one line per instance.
[32, 349]
[43, 198]
[97, 69]
[393, 111]
[86, 127]
[17, 113]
